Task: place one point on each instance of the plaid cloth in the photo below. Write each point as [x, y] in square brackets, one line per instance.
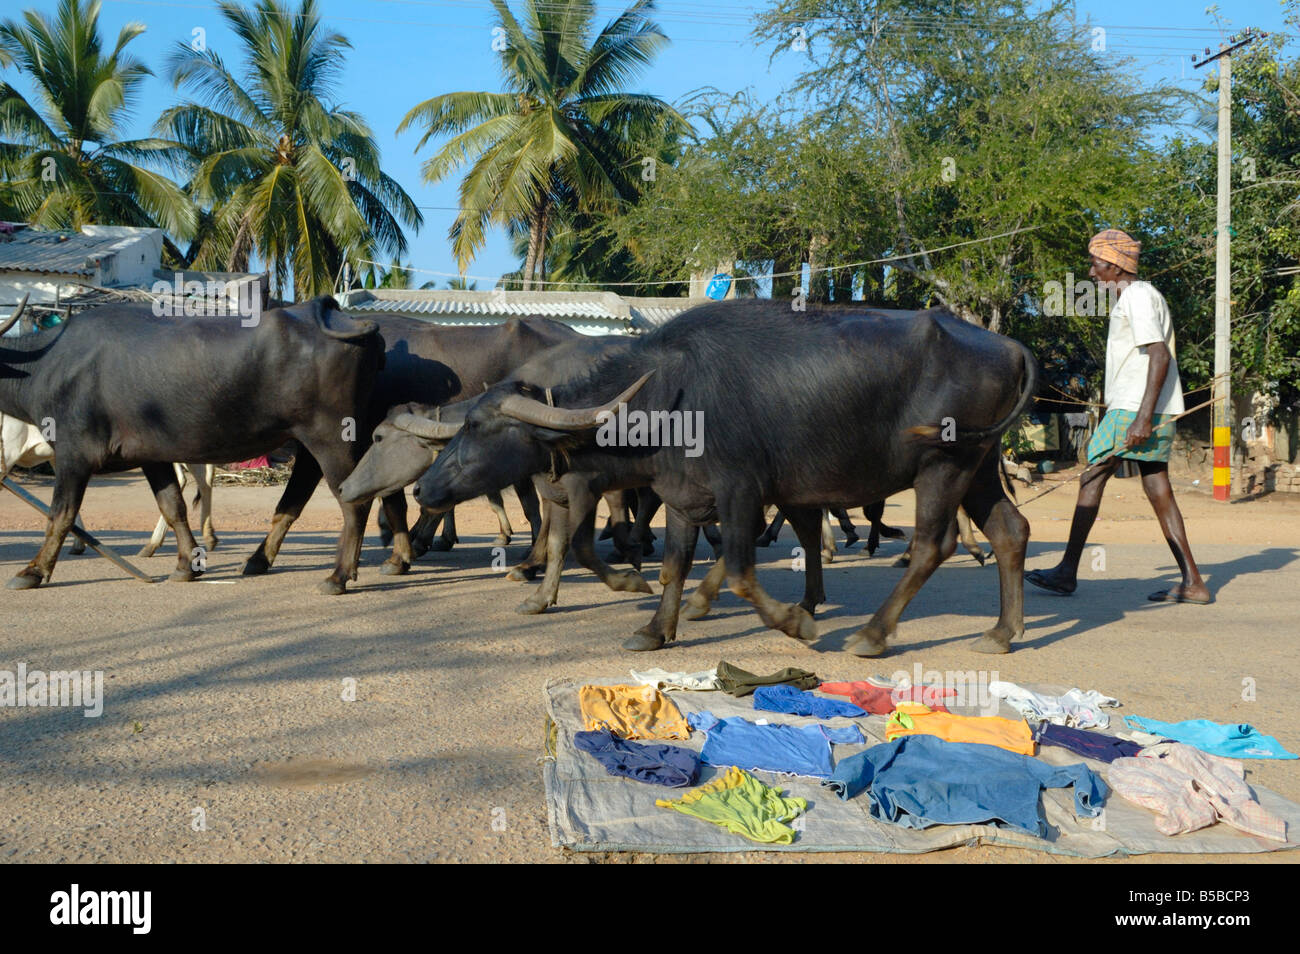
[1189, 789]
[1109, 437]
[1118, 248]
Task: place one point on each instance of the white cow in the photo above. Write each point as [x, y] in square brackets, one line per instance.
[23, 445]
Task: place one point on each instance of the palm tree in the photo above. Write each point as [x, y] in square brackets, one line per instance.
[289, 175]
[563, 137]
[62, 161]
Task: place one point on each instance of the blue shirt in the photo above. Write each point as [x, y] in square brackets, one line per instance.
[788, 699]
[920, 780]
[797, 750]
[1234, 741]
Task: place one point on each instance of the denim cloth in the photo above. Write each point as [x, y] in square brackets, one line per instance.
[796, 750]
[1235, 741]
[797, 702]
[1094, 745]
[919, 780]
[669, 765]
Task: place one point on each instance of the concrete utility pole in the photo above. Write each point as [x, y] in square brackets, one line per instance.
[1223, 264]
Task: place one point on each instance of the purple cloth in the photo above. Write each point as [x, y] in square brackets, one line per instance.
[798, 702]
[669, 765]
[1094, 745]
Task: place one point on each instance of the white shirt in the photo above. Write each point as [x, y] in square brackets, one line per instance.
[1140, 318]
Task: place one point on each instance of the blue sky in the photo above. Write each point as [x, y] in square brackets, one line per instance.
[405, 51]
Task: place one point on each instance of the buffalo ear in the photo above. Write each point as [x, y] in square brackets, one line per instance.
[550, 436]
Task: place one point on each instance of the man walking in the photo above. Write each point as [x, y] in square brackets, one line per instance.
[1143, 391]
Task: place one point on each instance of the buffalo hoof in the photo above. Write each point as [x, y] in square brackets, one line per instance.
[981, 556]
[501, 540]
[78, 548]
[664, 576]
[828, 556]
[696, 607]
[995, 642]
[210, 543]
[866, 643]
[851, 539]
[331, 587]
[394, 568]
[764, 540]
[644, 642]
[185, 576]
[903, 561]
[442, 545]
[811, 608]
[24, 581]
[628, 583]
[518, 574]
[533, 606]
[256, 565]
[799, 624]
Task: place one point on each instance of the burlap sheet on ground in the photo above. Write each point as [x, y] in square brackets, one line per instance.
[592, 811]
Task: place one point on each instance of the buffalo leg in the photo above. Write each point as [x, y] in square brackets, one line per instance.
[303, 478]
[70, 479]
[1008, 532]
[827, 537]
[557, 549]
[967, 537]
[807, 524]
[679, 554]
[933, 542]
[204, 476]
[393, 508]
[448, 539]
[171, 502]
[701, 601]
[841, 514]
[504, 530]
[740, 518]
[527, 570]
[582, 521]
[160, 528]
[714, 536]
[336, 461]
[768, 536]
[527, 495]
[426, 525]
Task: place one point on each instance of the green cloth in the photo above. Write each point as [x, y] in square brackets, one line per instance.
[1109, 438]
[737, 682]
[742, 804]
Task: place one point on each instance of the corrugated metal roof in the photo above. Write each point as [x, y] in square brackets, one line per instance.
[63, 253]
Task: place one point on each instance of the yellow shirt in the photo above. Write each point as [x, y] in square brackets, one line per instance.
[632, 712]
[912, 718]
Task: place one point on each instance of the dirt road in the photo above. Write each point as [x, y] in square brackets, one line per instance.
[224, 698]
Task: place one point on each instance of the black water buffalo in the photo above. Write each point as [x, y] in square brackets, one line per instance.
[431, 364]
[803, 410]
[125, 388]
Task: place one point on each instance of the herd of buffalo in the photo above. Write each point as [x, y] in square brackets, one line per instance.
[805, 410]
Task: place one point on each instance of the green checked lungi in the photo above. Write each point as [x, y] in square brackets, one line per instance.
[1109, 438]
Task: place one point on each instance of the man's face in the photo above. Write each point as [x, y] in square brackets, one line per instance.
[1105, 271]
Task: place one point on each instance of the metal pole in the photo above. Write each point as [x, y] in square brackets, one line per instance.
[1223, 292]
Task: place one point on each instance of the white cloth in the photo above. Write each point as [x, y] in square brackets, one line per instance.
[1076, 709]
[1140, 318]
[1141, 738]
[697, 681]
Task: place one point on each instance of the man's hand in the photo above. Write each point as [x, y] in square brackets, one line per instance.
[1138, 432]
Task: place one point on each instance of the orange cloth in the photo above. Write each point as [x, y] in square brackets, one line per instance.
[912, 718]
[1118, 248]
[632, 712]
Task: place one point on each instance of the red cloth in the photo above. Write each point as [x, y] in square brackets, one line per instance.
[262, 461]
[881, 701]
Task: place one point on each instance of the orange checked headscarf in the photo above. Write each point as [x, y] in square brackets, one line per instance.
[1118, 248]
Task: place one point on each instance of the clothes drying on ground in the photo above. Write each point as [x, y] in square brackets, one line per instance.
[882, 700]
[633, 712]
[772, 747]
[1143, 739]
[1233, 741]
[742, 804]
[918, 781]
[737, 682]
[794, 701]
[1189, 789]
[1077, 709]
[1095, 745]
[661, 679]
[669, 765]
[912, 718]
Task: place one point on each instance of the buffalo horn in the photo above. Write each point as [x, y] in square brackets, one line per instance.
[13, 319]
[423, 427]
[565, 418]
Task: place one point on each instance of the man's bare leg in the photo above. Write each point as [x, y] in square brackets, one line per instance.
[1064, 577]
[1155, 481]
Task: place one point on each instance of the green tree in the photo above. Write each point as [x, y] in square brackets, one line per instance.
[289, 174]
[563, 138]
[993, 117]
[63, 163]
